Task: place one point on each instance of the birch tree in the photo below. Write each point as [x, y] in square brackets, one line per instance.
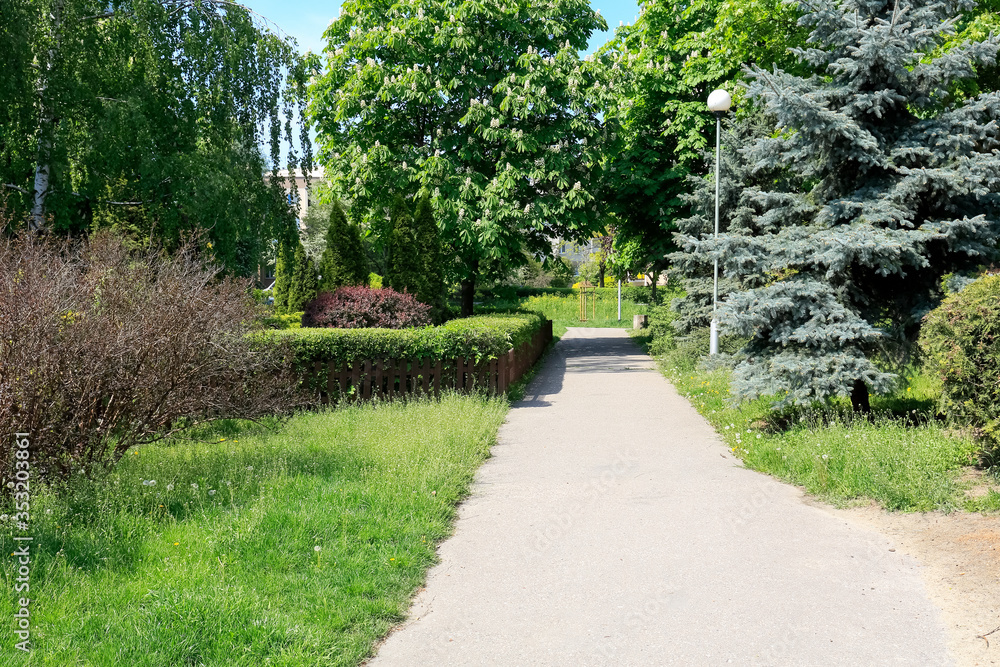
[148, 116]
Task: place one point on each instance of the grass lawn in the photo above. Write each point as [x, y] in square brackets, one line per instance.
[902, 457]
[564, 311]
[216, 563]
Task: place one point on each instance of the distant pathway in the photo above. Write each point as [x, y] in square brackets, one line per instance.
[611, 527]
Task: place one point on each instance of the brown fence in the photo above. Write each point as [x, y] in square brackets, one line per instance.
[393, 378]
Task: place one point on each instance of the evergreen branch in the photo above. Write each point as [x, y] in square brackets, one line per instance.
[895, 15]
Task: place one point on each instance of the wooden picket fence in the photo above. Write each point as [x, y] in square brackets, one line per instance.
[396, 378]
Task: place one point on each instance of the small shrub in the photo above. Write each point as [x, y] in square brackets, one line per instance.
[102, 350]
[374, 281]
[287, 321]
[960, 341]
[364, 307]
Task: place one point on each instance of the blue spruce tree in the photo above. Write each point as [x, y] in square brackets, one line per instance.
[898, 175]
[739, 213]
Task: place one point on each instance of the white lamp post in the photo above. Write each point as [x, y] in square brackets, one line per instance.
[718, 103]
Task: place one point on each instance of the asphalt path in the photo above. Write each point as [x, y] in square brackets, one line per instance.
[612, 527]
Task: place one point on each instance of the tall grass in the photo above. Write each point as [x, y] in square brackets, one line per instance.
[900, 457]
[296, 548]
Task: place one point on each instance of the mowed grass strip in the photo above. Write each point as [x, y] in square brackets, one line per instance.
[217, 562]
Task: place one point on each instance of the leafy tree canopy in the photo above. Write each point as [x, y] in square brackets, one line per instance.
[483, 106]
[666, 64]
[147, 116]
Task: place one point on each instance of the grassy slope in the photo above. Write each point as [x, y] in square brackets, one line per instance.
[133, 574]
[902, 459]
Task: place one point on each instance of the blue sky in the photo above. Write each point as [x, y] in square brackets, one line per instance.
[305, 20]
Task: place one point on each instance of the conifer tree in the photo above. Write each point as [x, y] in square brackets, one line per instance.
[428, 247]
[406, 266]
[739, 213]
[283, 268]
[303, 285]
[898, 175]
[343, 262]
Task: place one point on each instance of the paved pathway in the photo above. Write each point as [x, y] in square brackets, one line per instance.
[611, 527]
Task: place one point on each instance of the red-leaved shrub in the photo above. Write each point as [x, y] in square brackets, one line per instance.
[360, 307]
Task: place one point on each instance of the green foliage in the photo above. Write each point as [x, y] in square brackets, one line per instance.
[148, 117]
[374, 281]
[406, 266]
[303, 286]
[667, 63]
[638, 294]
[890, 181]
[288, 321]
[284, 268]
[343, 262]
[561, 272]
[739, 213]
[428, 245]
[960, 341]
[481, 337]
[487, 110]
[228, 532]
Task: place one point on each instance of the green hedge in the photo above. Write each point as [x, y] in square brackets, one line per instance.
[960, 341]
[482, 337]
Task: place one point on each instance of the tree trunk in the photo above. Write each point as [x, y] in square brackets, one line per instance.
[468, 295]
[654, 276]
[859, 397]
[46, 125]
[600, 275]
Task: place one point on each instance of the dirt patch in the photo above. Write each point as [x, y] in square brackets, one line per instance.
[961, 557]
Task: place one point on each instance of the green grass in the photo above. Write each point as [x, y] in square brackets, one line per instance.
[901, 457]
[564, 311]
[216, 563]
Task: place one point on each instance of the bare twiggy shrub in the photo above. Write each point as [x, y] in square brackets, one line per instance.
[102, 349]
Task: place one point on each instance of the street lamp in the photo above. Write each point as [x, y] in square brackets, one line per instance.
[718, 103]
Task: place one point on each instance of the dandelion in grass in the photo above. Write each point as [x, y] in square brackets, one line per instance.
[211, 492]
[318, 549]
[194, 485]
[170, 487]
[825, 457]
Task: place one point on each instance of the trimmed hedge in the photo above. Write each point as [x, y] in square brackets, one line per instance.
[482, 337]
